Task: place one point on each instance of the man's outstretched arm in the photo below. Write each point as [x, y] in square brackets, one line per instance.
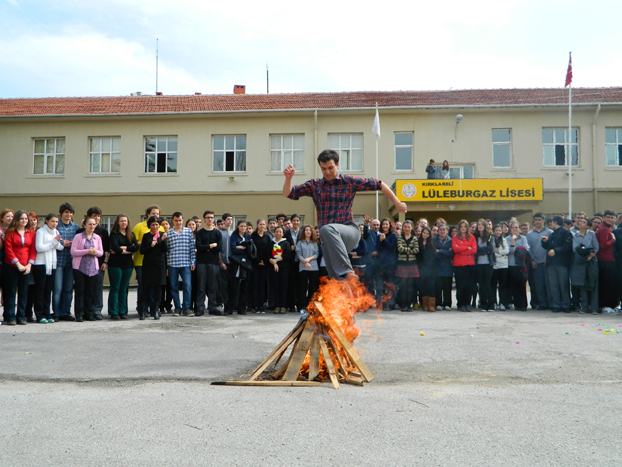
[287, 185]
[401, 207]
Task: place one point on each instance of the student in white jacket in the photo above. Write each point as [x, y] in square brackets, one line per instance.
[47, 242]
[500, 268]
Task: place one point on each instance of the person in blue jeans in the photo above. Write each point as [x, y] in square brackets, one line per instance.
[181, 260]
[63, 279]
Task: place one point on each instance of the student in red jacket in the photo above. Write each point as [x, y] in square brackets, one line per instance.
[20, 255]
[464, 246]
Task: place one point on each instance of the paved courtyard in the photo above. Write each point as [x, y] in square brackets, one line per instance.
[492, 389]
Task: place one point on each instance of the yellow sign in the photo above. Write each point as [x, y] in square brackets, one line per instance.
[497, 189]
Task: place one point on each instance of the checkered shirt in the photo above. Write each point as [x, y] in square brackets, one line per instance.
[333, 201]
[180, 248]
[67, 232]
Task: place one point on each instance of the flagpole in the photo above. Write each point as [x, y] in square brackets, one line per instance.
[377, 138]
[570, 151]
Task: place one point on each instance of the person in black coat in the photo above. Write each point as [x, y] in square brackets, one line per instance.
[120, 266]
[278, 272]
[559, 256]
[153, 247]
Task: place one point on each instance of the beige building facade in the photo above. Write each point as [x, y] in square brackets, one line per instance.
[226, 153]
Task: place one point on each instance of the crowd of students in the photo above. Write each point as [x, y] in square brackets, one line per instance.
[570, 265]
[276, 265]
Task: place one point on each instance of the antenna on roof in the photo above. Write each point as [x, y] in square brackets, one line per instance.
[267, 80]
[157, 65]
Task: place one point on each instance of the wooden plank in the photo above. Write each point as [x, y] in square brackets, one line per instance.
[345, 343]
[314, 362]
[266, 383]
[329, 364]
[343, 369]
[279, 350]
[299, 354]
[356, 381]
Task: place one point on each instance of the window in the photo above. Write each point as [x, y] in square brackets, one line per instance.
[105, 155]
[403, 151]
[350, 149]
[555, 147]
[107, 222]
[285, 150]
[461, 171]
[613, 146]
[49, 156]
[229, 154]
[501, 148]
[160, 154]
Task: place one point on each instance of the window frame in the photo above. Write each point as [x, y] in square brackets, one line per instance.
[111, 153]
[157, 152]
[235, 153]
[461, 168]
[566, 145]
[344, 167]
[46, 155]
[411, 146]
[617, 144]
[502, 143]
[293, 150]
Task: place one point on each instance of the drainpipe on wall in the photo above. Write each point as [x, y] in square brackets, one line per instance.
[594, 175]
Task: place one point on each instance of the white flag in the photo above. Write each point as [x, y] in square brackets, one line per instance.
[376, 128]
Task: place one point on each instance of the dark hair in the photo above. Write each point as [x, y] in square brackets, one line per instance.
[294, 216]
[151, 220]
[151, 208]
[207, 212]
[194, 218]
[328, 155]
[66, 207]
[50, 216]
[498, 240]
[559, 220]
[391, 229]
[287, 218]
[177, 214]
[279, 215]
[609, 212]
[280, 227]
[226, 215]
[538, 214]
[272, 219]
[429, 244]
[128, 230]
[240, 221]
[93, 210]
[248, 224]
[568, 221]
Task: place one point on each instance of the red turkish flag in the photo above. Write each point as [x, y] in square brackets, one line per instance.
[569, 72]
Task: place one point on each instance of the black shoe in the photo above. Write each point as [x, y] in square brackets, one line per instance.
[114, 317]
[31, 320]
[79, 320]
[156, 315]
[91, 318]
[542, 308]
[23, 322]
[123, 316]
[55, 318]
[241, 312]
[199, 313]
[141, 316]
[9, 323]
[566, 310]
[216, 313]
[98, 317]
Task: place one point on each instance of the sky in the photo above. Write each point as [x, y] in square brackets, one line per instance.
[108, 47]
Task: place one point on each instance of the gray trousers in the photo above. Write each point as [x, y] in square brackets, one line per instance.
[337, 241]
[559, 293]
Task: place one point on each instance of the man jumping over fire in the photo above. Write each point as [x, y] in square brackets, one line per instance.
[333, 196]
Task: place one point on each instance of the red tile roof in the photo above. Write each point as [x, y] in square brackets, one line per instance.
[56, 106]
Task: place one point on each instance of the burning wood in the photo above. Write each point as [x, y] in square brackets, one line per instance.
[321, 342]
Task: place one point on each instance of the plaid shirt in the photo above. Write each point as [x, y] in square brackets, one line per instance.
[180, 252]
[67, 232]
[333, 201]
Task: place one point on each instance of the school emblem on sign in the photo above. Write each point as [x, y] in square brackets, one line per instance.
[409, 190]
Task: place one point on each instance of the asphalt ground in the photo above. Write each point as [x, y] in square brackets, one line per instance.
[492, 389]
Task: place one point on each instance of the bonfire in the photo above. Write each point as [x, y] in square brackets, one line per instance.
[321, 343]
